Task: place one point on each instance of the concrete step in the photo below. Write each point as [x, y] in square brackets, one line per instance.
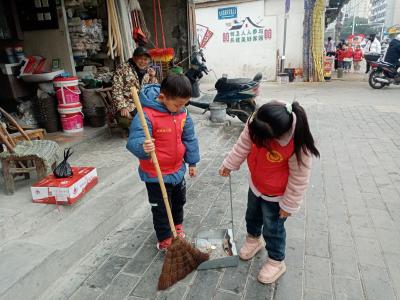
[39, 242]
[31, 263]
[19, 216]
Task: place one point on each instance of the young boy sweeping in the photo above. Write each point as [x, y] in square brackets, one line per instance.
[175, 143]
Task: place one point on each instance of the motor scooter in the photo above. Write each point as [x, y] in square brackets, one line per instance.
[238, 94]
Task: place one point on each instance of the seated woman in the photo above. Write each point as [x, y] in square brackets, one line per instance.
[135, 72]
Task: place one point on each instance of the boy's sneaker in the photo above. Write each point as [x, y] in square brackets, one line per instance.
[251, 246]
[179, 230]
[271, 271]
[164, 244]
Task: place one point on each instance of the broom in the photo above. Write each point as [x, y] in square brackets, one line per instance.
[181, 258]
[164, 54]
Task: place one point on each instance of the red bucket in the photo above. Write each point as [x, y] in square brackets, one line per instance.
[67, 89]
[71, 117]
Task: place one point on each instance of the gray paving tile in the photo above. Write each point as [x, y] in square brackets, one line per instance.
[295, 253]
[340, 234]
[374, 200]
[176, 292]
[318, 273]
[145, 256]
[376, 283]
[222, 295]
[147, 286]
[103, 276]
[362, 226]
[393, 263]
[234, 279]
[204, 285]
[120, 287]
[133, 243]
[381, 219]
[368, 251]
[317, 243]
[349, 289]
[256, 290]
[389, 240]
[295, 228]
[317, 220]
[344, 262]
[290, 285]
[87, 293]
[310, 294]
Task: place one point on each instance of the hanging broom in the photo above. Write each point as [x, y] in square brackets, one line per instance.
[181, 258]
[164, 55]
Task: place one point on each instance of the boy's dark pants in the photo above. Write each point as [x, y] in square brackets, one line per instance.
[263, 217]
[177, 199]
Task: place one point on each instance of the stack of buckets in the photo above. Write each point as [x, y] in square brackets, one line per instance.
[69, 107]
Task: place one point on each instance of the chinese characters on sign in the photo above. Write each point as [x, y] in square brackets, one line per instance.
[246, 31]
[246, 36]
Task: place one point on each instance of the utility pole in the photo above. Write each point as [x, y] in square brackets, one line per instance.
[283, 57]
[338, 27]
[354, 20]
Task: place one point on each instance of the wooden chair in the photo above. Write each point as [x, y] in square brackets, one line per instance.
[105, 94]
[25, 156]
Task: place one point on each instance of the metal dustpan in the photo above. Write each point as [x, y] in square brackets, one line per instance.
[219, 243]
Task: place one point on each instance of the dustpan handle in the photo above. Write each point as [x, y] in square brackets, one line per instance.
[230, 197]
[154, 159]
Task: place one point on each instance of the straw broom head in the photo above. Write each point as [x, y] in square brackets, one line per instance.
[181, 259]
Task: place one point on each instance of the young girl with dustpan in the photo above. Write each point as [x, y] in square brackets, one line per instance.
[278, 145]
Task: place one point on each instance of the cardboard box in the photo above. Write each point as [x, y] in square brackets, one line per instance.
[65, 191]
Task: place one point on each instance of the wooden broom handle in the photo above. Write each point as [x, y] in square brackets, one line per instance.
[154, 160]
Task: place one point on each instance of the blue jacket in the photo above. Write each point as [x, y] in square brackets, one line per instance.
[148, 98]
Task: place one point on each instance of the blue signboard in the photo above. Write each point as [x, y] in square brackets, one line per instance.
[227, 13]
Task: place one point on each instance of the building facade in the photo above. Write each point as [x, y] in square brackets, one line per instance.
[359, 8]
[242, 38]
[385, 11]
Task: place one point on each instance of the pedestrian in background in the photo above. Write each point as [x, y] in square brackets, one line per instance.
[278, 146]
[348, 58]
[372, 50]
[330, 48]
[357, 58]
[341, 54]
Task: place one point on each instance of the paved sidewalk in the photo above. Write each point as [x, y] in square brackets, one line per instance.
[343, 244]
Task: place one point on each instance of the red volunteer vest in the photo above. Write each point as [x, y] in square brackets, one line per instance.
[357, 55]
[167, 132]
[270, 170]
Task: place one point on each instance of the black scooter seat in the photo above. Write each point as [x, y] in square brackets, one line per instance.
[224, 84]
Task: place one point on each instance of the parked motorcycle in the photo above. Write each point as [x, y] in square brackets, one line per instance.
[238, 94]
[383, 74]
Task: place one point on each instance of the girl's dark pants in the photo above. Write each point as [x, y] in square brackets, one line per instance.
[263, 217]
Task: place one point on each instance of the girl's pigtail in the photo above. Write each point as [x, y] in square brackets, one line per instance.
[303, 139]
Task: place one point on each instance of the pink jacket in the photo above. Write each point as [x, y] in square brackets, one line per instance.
[299, 175]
